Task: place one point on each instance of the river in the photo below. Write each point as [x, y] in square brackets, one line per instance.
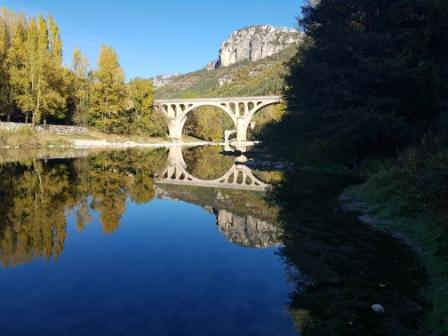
[192, 242]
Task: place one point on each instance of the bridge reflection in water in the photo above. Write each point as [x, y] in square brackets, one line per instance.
[238, 177]
[235, 217]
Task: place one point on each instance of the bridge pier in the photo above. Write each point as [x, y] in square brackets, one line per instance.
[241, 129]
[172, 129]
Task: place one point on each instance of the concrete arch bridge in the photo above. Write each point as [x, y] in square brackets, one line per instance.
[240, 109]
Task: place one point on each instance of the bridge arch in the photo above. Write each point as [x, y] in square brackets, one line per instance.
[240, 110]
[237, 177]
[185, 114]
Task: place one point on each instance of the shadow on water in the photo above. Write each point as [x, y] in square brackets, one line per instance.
[345, 266]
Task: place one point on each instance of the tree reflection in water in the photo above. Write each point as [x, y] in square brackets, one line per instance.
[37, 196]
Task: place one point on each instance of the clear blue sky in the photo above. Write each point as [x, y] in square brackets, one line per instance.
[156, 36]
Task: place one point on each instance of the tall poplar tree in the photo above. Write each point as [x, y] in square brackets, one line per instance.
[5, 106]
[36, 72]
[16, 25]
[55, 42]
[24, 70]
[80, 87]
[57, 75]
[108, 97]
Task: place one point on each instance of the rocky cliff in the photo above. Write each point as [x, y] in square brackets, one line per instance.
[162, 80]
[255, 43]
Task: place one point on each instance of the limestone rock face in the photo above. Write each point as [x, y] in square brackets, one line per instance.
[255, 43]
[248, 231]
[163, 80]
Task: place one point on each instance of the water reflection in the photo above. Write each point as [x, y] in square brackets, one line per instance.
[245, 218]
[336, 267]
[346, 266]
[123, 260]
[248, 230]
[37, 196]
[208, 171]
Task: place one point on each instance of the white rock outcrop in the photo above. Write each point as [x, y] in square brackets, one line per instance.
[255, 43]
[162, 80]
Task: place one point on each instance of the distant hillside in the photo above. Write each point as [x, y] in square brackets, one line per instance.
[263, 77]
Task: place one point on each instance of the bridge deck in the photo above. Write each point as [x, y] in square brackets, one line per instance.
[218, 100]
[261, 188]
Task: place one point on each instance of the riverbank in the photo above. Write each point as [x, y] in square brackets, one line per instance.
[405, 197]
[26, 139]
[421, 232]
[406, 204]
[348, 267]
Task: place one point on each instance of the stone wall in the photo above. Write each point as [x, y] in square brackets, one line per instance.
[55, 129]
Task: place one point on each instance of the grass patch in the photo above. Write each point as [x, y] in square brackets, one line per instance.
[26, 137]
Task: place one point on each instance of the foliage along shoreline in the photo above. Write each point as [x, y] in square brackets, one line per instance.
[367, 93]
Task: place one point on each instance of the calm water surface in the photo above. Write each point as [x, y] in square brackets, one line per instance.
[184, 242]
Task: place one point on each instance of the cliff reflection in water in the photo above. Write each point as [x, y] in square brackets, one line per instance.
[38, 195]
[248, 230]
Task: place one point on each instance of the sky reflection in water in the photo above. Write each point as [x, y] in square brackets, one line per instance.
[126, 263]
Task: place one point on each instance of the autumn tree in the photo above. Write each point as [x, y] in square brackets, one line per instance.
[19, 68]
[4, 77]
[80, 88]
[144, 119]
[56, 74]
[36, 73]
[141, 92]
[108, 95]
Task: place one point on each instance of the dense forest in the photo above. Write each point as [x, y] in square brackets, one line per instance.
[367, 92]
[36, 87]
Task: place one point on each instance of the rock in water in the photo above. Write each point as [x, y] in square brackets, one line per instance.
[377, 308]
